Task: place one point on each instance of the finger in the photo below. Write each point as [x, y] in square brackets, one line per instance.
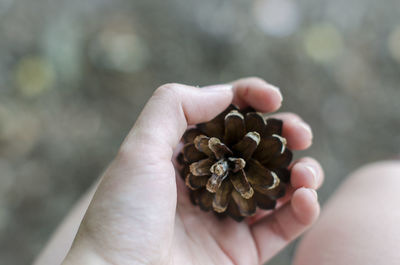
[168, 113]
[142, 170]
[257, 93]
[297, 132]
[306, 172]
[274, 232]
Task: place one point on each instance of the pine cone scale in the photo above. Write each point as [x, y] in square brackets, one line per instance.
[191, 154]
[201, 144]
[247, 145]
[205, 200]
[258, 175]
[264, 202]
[215, 181]
[216, 128]
[247, 207]
[255, 123]
[219, 149]
[274, 193]
[195, 182]
[234, 127]
[202, 167]
[274, 126]
[269, 148]
[222, 197]
[241, 184]
[190, 134]
[233, 211]
[283, 174]
[281, 161]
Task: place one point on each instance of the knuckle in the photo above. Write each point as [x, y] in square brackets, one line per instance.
[169, 89]
[256, 79]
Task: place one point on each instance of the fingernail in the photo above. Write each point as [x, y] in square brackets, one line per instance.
[218, 88]
[275, 88]
[313, 173]
[314, 194]
[306, 127]
[278, 91]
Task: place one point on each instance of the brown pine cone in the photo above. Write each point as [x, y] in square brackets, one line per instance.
[236, 162]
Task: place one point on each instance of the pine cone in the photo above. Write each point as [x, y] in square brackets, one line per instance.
[235, 163]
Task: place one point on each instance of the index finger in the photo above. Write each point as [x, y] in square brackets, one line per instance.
[174, 106]
[257, 93]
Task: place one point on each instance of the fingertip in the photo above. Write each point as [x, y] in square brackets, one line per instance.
[206, 102]
[305, 205]
[265, 99]
[257, 93]
[170, 110]
[295, 130]
[316, 168]
[306, 132]
[286, 223]
[304, 175]
[275, 96]
[299, 134]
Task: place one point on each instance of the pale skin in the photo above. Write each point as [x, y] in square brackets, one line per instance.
[140, 212]
[360, 225]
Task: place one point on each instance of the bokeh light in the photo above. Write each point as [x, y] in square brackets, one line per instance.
[276, 17]
[117, 47]
[323, 42]
[347, 15]
[19, 130]
[34, 75]
[63, 43]
[394, 43]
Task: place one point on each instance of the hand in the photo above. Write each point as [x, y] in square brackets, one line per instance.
[141, 214]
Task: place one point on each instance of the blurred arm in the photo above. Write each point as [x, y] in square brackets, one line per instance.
[61, 240]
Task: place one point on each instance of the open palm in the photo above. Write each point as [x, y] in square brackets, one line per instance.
[141, 213]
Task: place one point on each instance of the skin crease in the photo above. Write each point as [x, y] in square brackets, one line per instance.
[141, 214]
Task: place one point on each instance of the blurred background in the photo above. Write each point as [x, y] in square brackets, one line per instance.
[74, 75]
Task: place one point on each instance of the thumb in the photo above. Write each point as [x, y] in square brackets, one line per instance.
[143, 167]
[143, 163]
[138, 191]
[167, 114]
[142, 171]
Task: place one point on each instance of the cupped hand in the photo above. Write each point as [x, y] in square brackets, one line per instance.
[141, 213]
